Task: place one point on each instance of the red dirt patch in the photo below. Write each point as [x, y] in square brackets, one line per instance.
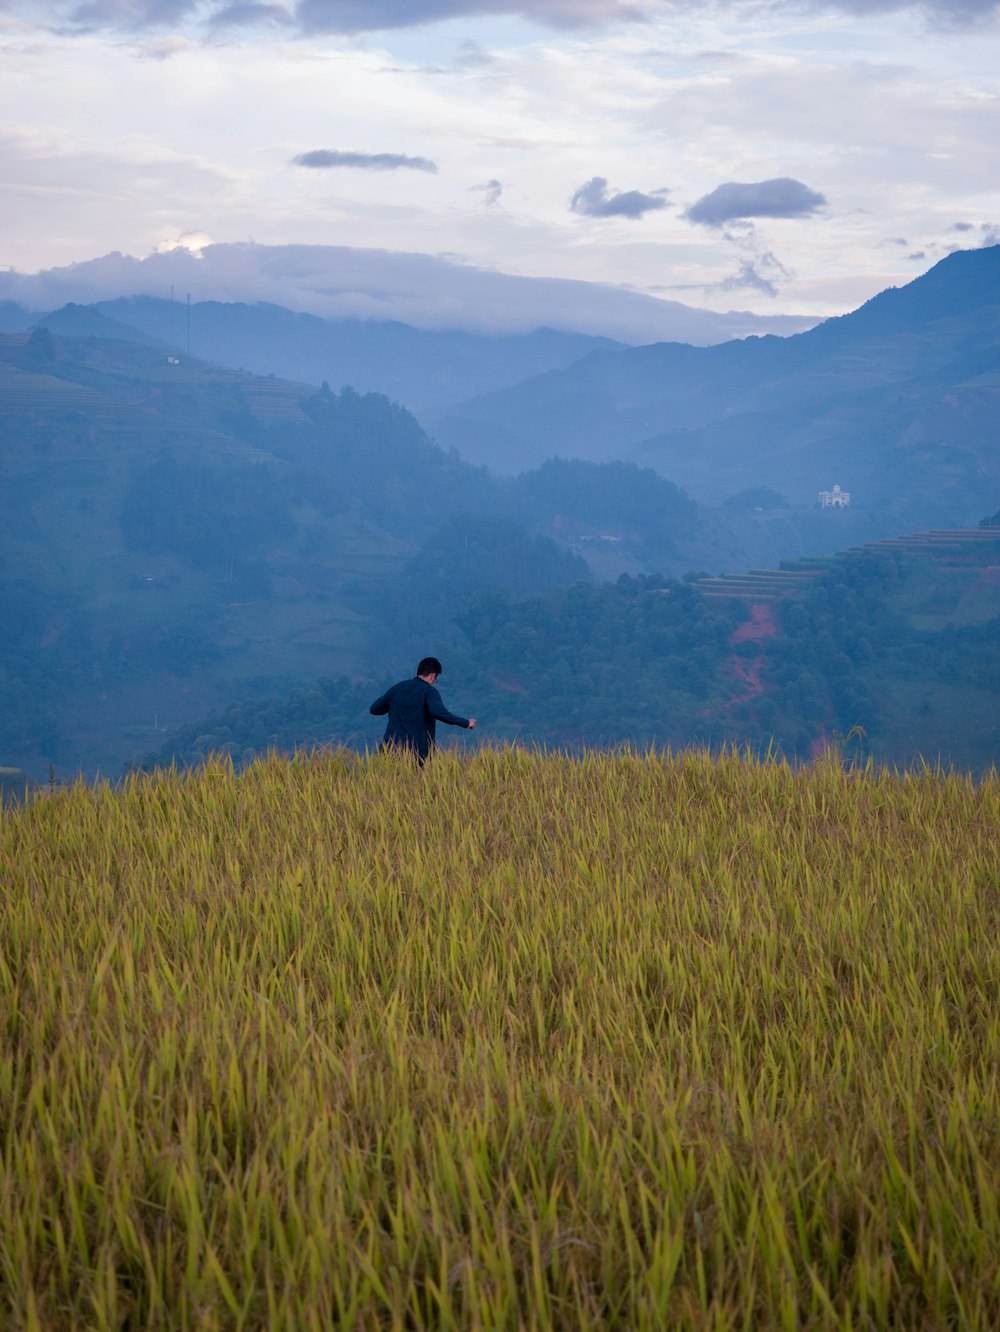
[511, 686]
[760, 625]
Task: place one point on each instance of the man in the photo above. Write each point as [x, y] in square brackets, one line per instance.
[414, 708]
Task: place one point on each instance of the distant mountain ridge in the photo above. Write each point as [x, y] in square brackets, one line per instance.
[902, 394]
[418, 367]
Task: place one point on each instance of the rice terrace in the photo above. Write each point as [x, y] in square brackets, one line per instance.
[519, 1040]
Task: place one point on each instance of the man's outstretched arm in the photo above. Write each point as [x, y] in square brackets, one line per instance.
[440, 713]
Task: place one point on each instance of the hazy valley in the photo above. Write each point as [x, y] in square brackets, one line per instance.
[181, 538]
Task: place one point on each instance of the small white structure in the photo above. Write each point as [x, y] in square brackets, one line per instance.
[835, 498]
[173, 360]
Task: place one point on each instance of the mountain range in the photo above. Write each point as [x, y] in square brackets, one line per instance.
[176, 536]
[423, 368]
[898, 402]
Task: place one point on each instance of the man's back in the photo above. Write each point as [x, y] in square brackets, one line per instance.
[413, 707]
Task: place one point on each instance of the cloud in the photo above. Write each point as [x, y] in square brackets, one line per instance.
[322, 159]
[980, 235]
[163, 48]
[762, 272]
[357, 16]
[194, 242]
[250, 15]
[427, 291]
[372, 15]
[121, 15]
[316, 16]
[491, 191]
[735, 202]
[947, 13]
[593, 199]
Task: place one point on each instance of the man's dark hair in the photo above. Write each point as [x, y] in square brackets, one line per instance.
[429, 666]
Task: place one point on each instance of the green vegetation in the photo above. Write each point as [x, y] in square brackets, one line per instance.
[900, 648]
[175, 537]
[509, 1042]
[177, 540]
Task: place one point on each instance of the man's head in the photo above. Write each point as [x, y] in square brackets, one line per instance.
[429, 669]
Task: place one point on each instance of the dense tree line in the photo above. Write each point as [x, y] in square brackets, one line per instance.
[651, 661]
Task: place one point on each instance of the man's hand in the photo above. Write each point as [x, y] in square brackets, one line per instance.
[472, 723]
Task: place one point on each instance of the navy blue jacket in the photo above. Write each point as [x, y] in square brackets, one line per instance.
[414, 707]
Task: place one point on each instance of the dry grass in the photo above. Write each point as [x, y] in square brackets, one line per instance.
[514, 1042]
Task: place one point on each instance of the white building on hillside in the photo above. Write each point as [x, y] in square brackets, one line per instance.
[835, 498]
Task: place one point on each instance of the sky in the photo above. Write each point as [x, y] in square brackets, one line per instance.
[767, 155]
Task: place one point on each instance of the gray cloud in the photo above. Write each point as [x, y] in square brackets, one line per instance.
[322, 159]
[372, 15]
[593, 199]
[250, 15]
[980, 235]
[949, 13]
[762, 272]
[491, 192]
[735, 202]
[324, 15]
[122, 15]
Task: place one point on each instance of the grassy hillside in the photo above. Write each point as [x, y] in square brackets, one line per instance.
[511, 1042]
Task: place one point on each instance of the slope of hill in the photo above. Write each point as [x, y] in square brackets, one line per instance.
[897, 645]
[422, 368]
[173, 536]
[898, 401]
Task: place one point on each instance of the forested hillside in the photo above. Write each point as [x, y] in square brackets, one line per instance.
[175, 538]
[892, 652]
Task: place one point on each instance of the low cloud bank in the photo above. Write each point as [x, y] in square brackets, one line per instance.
[338, 282]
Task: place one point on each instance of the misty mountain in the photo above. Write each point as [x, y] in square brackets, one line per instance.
[86, 321]
[419, 367]
[176, 537]
[424, 291]
[898, 402]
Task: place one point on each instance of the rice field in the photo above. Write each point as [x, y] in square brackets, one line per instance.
[516, 1041]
